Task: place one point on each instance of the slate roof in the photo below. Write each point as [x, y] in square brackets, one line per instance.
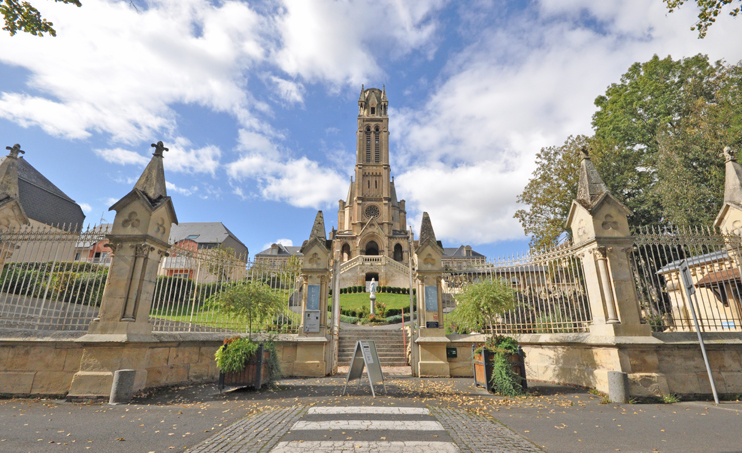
[43, 201]
[282, 250]
[696, 260]
[460, 252]
[204, 232]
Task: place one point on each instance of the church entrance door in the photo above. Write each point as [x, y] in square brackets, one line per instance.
[372, 248]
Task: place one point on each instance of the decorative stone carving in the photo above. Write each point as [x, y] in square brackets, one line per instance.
[15, 150]
[429, 260]
[131, 221]
[609, 223]
[142, 250]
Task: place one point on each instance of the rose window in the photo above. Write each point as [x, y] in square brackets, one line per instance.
[372, 211]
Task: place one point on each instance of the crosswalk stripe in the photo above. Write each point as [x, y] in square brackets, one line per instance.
[386, 447]
[369, 410]
[406, 425]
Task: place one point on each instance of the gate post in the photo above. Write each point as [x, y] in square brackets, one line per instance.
[432, 341]
[138, 238]
[313, 351]
[12, 215]
[600, 229]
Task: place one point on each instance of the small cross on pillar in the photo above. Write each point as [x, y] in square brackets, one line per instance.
[15, 150]
[159, 148]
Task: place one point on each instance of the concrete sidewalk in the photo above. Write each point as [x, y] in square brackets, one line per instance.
[558, 419]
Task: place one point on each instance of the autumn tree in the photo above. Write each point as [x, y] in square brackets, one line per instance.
[550, 192]
[709, 11]
[23, 16]
[658, 135]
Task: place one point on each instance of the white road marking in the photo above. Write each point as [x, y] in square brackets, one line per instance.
[370, 425]
[370, 410]
[365, 446]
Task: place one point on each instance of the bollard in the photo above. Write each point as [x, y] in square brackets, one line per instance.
[122, 389]
[618, 387]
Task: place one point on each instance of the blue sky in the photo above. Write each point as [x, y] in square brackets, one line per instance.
[257, 101]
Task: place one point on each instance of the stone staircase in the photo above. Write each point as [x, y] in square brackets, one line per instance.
[389, 345]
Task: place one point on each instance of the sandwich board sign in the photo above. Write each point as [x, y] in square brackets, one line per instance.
[365, 355]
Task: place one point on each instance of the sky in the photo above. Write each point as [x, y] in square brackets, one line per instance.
[257, 101]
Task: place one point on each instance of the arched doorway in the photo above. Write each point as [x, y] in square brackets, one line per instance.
[398, 253]
[372, 248]
[345, 252]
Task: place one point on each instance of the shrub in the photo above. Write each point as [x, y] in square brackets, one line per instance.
[393, 312]
[231, 357]
[348, 319]
[396, 319]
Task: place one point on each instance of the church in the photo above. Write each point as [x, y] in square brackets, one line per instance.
[372, 239]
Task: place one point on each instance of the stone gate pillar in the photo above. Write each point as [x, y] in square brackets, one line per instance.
[730, 217]
[600, 229]
[138, 239]
[313, 351]
[432, 341]
[12, 215]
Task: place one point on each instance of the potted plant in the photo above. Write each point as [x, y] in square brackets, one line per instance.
[498, 364]
[241, 361]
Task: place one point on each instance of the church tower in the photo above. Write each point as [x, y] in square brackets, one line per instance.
[371, 221]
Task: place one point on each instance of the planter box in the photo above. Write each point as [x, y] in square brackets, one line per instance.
[484, 362]
[255, 374]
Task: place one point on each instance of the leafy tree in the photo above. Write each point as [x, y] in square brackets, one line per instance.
[221, 261]
[710, 10]
[250, 302]
[481, 304]
[20, 15]
[550, 192]
[658, 135]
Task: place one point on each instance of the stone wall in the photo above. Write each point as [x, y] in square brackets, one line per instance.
[45, 366]
[658, 365]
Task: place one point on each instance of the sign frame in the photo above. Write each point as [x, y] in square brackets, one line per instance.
[365, 355]
[314, 326]
[313, 297]
[431, 298]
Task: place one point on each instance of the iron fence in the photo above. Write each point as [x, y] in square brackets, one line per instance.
[548, 285]
[52, 277]
[713, 258]
[190, 281]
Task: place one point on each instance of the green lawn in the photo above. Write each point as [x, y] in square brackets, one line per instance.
[354, 301]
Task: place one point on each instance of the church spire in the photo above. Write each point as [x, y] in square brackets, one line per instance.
[383, 94]
[318, 229]
[591, 185]
[9, 173]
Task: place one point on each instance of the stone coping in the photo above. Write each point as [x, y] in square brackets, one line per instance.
[18, 336]
[433, 340]
[656, 339]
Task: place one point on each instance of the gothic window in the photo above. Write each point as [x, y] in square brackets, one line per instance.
[368, 144]
[373, 110]
[377, 156]
[397, 252]
[372, 211]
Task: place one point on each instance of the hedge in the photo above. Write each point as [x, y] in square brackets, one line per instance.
[349, 319]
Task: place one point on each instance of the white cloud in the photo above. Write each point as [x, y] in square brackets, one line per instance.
[286, 242]
[121, 156]
[180, 190]
[85, 207]
[289, 91]
[340, 42]
[529, 84]
[183, 158]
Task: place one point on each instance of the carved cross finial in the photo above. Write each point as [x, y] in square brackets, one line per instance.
[729, 154]
[585, 152]
[15, 150]
[159, 148]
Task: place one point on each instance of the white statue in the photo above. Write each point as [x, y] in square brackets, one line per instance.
[372, 290]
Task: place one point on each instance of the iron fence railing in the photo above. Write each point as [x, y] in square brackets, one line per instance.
[549, 288]
[714, 260]
[190, 280]
[52, 277]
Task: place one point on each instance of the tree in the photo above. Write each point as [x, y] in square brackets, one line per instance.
[250, 302]
[710, 10]
[222, 262]
[658, 135]
[20, 15]
[550, 192]
[480, 304]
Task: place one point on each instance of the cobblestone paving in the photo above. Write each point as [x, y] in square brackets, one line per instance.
[477, 433]
[258, 433]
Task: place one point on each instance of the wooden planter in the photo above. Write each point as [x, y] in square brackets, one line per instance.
[484, 363]
[255, 374]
